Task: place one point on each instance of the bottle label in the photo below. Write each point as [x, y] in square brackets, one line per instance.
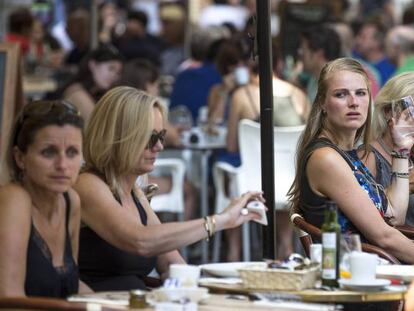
[329, 256]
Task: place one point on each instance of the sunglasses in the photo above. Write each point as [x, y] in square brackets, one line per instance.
[395, 108]
[155, 137]
[41, 108]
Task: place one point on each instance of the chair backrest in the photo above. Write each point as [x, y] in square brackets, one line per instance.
[285, 143]
[172, 201]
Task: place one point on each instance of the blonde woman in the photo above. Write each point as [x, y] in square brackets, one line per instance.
[123, 240]
[380, 159]
[328, 167]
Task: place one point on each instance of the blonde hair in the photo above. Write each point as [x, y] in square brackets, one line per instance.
[397, 87]
[317, 122]
[118, 132]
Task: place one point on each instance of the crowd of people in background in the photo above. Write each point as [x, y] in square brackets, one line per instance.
[157, 56]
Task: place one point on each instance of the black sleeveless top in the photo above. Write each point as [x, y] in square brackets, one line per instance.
[104, 267]
[42, 278]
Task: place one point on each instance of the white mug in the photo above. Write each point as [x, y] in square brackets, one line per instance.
[188, 275]
[363, 266]
[241, 75]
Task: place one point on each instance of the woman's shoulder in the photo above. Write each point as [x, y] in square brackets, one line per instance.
[14, 193]
[89, 179]
[15, 202]
[73, 88]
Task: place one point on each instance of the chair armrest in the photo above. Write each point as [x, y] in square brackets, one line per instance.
[408, 231]
[228, 168]
[302, 224]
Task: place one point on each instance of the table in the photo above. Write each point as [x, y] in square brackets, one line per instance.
[318, 295]
[205, 145]
[227, 302]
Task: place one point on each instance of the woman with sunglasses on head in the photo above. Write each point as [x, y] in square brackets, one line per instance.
[379, 161]
[123, 240]
[328, 166]
[40, 212]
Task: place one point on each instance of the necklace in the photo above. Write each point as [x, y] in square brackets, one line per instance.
[384, 146]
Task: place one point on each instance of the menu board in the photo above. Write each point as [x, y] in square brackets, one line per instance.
[9, 89]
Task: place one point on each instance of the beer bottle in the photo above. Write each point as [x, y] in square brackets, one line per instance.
[330, 246]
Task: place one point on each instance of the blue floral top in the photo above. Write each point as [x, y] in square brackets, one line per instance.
[367, 182]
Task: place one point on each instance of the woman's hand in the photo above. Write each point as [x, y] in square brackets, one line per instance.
[402, 131]
[232, 216]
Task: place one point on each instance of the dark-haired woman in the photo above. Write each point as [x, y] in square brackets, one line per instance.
[40, 212]
[99, 72]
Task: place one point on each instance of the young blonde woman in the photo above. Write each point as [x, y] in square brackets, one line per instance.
[379, 161]
[328, 167]
[123, 240]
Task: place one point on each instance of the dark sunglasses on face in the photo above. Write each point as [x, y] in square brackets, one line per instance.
[41, 108]
[155, 137]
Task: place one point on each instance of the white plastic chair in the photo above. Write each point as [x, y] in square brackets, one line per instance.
[248, 175]
[173, 201]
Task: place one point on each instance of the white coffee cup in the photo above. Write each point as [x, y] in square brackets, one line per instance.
[362, 266]
[188, 275]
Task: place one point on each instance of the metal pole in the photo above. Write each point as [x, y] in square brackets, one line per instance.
[94, 25]
[266, 123]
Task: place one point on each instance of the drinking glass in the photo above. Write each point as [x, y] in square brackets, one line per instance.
[402, 113]
[350, 243]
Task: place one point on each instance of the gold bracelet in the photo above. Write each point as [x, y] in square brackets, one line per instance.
[213, 225]
[207, 227]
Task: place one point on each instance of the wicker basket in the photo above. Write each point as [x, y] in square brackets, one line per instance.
[281, 279]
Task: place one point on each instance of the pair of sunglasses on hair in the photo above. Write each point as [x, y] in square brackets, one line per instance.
[155, 137]
[40, 108]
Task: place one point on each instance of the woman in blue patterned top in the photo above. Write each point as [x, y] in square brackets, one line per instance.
[328, 167]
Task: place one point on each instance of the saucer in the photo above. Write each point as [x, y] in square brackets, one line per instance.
[193, 294]
[366, 286]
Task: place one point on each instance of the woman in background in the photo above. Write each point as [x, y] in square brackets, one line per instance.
[99, 72]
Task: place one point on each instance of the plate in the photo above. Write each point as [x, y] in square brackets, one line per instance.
[194, 294]
[229, 269]
[373, 285]
[399, 272]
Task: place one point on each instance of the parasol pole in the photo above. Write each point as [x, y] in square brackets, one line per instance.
[266, 124]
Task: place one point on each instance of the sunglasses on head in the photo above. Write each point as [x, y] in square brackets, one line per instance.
[155, 137]
[41, 108]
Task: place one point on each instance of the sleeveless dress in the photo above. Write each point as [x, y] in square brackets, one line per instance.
[312, 205]
[104, 267]
[42, 278]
